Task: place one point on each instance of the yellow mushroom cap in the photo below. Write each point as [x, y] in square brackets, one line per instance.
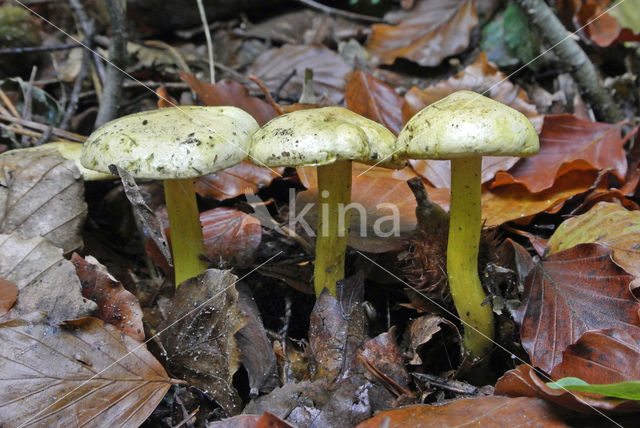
[321, 136]
[467, 124]
[174, 142]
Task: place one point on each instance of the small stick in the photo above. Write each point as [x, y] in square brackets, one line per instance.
[28, 103]
[40, 127]
[338, 12]
[5, 99]
[207, 35]
[30, 49]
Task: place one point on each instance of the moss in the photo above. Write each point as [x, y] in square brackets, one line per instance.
[19, 29]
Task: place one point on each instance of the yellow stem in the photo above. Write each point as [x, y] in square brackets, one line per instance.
[334, 192]
[462, 256]
[186, 231]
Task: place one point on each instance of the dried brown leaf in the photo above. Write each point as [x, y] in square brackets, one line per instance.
[570, 293]
[116, 305]
[427, 34]
[485, 412]
[84, 372]
[8, 295]
[47, 282]
[42, 194]
[199, 335]
[374, 99]
[242, 178]
[230, 235]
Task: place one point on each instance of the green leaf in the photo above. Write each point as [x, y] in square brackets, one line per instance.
[626, 390]
[519, 35]
[627, 14]
[493, 44]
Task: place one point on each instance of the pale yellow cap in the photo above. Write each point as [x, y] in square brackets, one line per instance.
[467, 124]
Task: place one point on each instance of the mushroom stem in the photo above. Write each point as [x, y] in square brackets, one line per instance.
[186, 232]
[334, 192]
[462, 256]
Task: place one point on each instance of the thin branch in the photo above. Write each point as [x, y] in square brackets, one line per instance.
[572, 55]
[75, 93]
[207, 35]
[30, 49]
[40, 127]
[338, 12]
[117, 59]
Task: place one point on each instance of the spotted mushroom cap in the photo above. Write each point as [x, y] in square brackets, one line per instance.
[174, 142]
[321, 136]
[467, 124]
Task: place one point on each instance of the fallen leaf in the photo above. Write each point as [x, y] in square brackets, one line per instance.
[258, 357]
[230, 235]
[42, 194]
[374, 99]
[603, 356]
[47, 282]
[601, 27]
[329, 71]
[8, 295]
[427, 34]
[198, 335]
[482, 77]
[336, 329]
[266, 420]
[82, 373]
[242, 178]
[568, 143]
[383, 354]
[484, 411]
[608, 224]
[629, 390]
[569, 293]
[116, 305]
[515, 203]
[229, 93]
[438, 172]
[421, 331]
[523, 381]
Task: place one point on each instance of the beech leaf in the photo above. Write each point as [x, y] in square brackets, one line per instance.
[484, 411]
[242, 178]
[568, 143]
[230, 235]
[374, 99]
[427, 34]
[42, 194]
[84, 372]
[568, 294]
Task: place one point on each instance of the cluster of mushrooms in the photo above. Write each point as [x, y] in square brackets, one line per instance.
[179, 144]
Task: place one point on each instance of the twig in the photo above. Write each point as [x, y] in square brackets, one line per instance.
[173, 51]
[27, 106]
[30, 49]
[338, 12]
[87, 30]
[7, 102]
[40, 127]
[207, 35]
[117, 59]
[45, 136]
[571, 54]
[75, 92]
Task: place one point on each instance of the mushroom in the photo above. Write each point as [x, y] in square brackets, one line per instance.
[329, 138]
[463, 127]
[175, 144]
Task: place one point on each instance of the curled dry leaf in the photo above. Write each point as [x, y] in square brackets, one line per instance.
[47, 282]
[566, 144]
[329, 71]
[569, 293]
[427, 34]
[198, 335]
[258, 357]
[421, 331]
[242, 178]
[608, 224]
[84, 372]
[601, 27]
[116, 305]
[229, 93]
[266, 420]
[336, 329]
[230, 235]
[42, 194]
[8, 295]
[484, 411]
[515, 203]
[374, 99]
[523, 381]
